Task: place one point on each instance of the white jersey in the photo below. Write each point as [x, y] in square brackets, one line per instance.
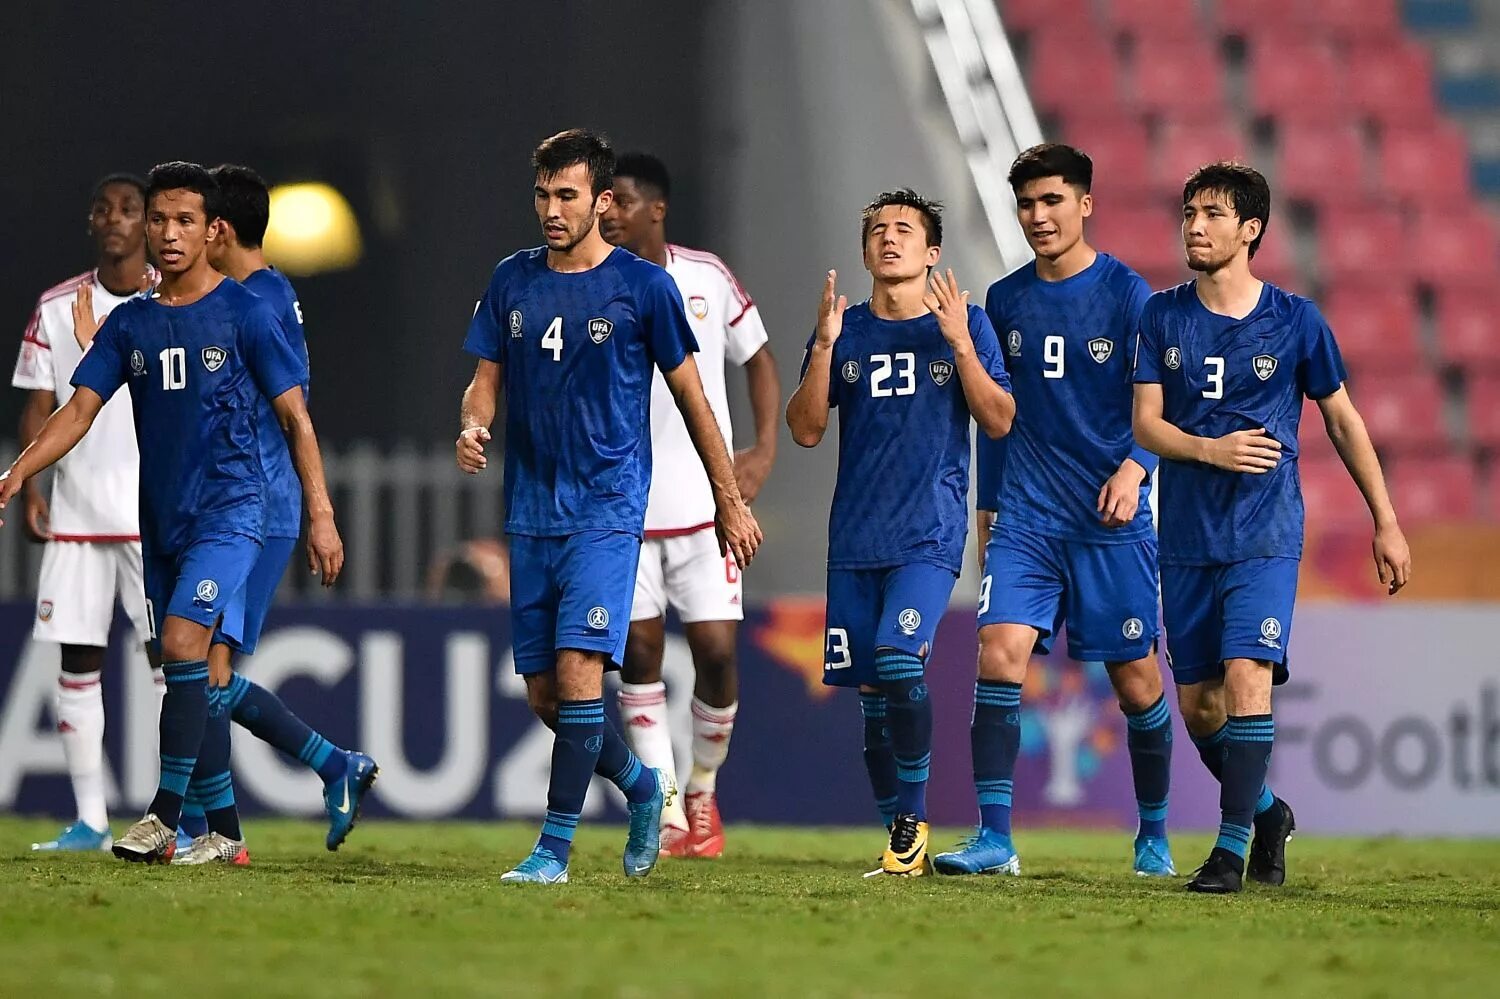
[728, 327]
[95, 496]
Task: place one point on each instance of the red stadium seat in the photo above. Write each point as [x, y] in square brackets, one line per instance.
[1375, 325]
[1313, 444]
[1428, 490]
[1121, 151]
[1300, 80]
[1403, 412]
[1245, 17]
[1073, 73]
[1363, 19]
[1468, 327]
[1273, 260]
[1186, 147]
[1180, 79]
[1321, 164]
[1032, 15]
[1483, 398]
[1145, 236]
[1455, 248]
[1332, 500]
[1364, 244]
[1391, 82]
[1176, 18]
[1418, 163]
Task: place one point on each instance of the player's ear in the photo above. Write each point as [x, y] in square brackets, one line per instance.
[934, 254]
[1086, 205]
[658, 211]
[1252, 230]
[603, 202]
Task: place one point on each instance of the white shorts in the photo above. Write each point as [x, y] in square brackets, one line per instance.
[688, 573]
[75, 599]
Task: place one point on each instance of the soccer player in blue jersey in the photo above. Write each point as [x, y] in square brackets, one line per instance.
[906, 369]
[1072, 541]
[197, 355]
[572, 330]
[1221, 369]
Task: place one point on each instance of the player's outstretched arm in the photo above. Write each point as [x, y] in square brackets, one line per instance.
[39, 405]
[475, 415]
[807, 410]
[993, 408]
[1250, 451]
[1346, 428]
[59, 435]
[325, 549]
[753, 464]
[735, 524]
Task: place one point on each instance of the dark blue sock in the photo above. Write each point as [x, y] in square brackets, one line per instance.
[1247, 755]
[577, 740]
[1211, 751]
[264, 716]
[184, 711]
[995, 742]
[880, 762]
[211, 783]
[1149, 737]
[909, 714]
[622, 768]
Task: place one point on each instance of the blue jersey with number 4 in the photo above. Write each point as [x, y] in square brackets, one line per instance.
[1219, 375]
[197, 375]
[903, 483]
[284, 489]
[578, 351]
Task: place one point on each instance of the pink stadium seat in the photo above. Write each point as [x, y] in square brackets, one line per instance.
[1301, 80]
[1121, 151]
[1320, 163]
[1177, 18]
[1363, 19]
[1455, 248]
[1273, 259]
[1181, 79]
[1186, 147]
[1375, 325]
[1332, 501]
[1421, 162]
[1391, 81]
[1073, 73]
[1145, 236]
[1427, 490]
[1313, 444]
[1403, 412]
[1365, 243]
[1032, 15]
[1468, 327]
[1483, 398]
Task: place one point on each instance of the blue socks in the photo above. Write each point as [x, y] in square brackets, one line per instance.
[211, 786]
[995, 742]
[880, 762]
[909, 714]
[264, 715]
[577, 741]
[184, 712]
[1211, 751]
[622, 768]
[1247, 755]
[1149, 737]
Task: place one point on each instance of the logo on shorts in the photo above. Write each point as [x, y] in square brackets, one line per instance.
[940, 371]
[909, 621]
[600, 329]
[1100, 348]
[851, 371]
[208, 591]
[1013, 343]
[598, 618]
[1270, 632]
[1132, 628]
[1264, 365]
[1172, 358]
[44, 610]
[137, 363]
[515, 324]
[698, 305]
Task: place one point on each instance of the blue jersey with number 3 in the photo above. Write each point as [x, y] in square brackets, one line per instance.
[578, 351]
[197, 375]
[903, 482]
[1219, 375]
[284, 489]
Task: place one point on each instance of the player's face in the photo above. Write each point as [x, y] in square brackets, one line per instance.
[632, 216]
[177, 229]
[1212, 233]
[896, 245]
[566, 206]
[117, 220]
[1051, 213]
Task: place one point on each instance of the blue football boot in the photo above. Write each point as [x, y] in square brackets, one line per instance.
[643, 846]
[79, 837]
[987, 852]
[342, 797]
[541, 868]
[1153, 859]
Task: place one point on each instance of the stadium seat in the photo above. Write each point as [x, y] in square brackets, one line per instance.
[1468, 327]
[1073, 73]
[1432, 489]
[1312, 439]
[1349, 19]
[1031, 15]
[1301, 80]
[1362, 243]
[1420, 162]
[1454, 247]
[1376, 326]
[1483, 398]
[1245, 17]
[1332, 500]
[1180, 79]
[1175, 18]
[1184, 147]
[1145, 235]
[1391, 82]
[1273, 259]
[1320, 164]
[1121, 151]
[1403, 412]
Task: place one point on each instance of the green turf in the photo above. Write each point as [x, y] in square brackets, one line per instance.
[416, 909]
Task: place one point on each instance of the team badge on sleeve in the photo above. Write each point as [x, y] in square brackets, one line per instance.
[600, 329]
[1100, 348]
[940, 371]
[1013, 342]
[137, 363]
[214, 358]
[1264, 365]
[1172, 358]
[698, 306]
[598, 618]
[851, 371]
[515, 324]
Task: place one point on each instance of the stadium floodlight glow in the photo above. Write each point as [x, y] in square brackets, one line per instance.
[312, 230]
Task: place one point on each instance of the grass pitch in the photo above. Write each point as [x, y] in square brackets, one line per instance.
[416, 909]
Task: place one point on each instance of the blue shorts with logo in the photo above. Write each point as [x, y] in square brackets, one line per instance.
[199, 582]
[572, 592]
[1240, 610]
[868, 609]
[245, 615]
[1106, 594]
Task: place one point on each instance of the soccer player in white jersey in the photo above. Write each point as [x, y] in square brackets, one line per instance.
[680, 563]
[90, 526]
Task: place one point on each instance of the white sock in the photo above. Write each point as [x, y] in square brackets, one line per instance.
[159, 685]
[80, 719]
[712, 728]
[643, 719]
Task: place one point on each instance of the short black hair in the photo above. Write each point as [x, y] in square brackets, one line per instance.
[244, 202]
[931, 211]
[647, 171]
[181, 175]
[110, 179]
[1053, 159]
[577, 145]
[1244, 187]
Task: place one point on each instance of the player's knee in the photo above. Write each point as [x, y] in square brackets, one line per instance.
[1004, 654]
[543, 703]
[183, 640]
[1137, 684]
[1202, 711]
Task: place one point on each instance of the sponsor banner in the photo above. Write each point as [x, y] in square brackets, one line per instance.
[1368, 741]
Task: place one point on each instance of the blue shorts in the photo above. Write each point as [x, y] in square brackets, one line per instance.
[868, 609]
[1106, 594]
[199, 582]
[245, 615]
[572, 592]
[1242, 610]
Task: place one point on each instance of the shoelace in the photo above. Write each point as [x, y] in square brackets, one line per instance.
[702, 821]
[534, 863]
[904, 835]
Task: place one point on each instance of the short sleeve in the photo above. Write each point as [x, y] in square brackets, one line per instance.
[990, 459]
[34, 364]
[987, 346]
[102, 368]
[1148, 347]
[833, 382]
[745, 335]
[269, 355]
[1321, 372]
[486, 337]
[668, 335]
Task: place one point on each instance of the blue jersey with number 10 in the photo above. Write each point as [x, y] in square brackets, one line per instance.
[578, 350]
[284, 489]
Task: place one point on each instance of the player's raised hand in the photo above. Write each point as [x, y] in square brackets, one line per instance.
[85, 325]
[831, 312]
[325, 550]
[470, 447]
[951, 306]
[739, 534]
[1253, 452]
[1392, 558]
